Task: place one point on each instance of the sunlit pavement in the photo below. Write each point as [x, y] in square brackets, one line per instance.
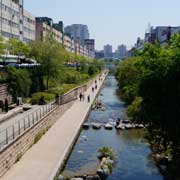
[42, 161]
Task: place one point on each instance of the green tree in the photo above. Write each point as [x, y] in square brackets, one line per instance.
[152, 81]
[18, 48]
[2, 46]
[19, 82]
[48, 54]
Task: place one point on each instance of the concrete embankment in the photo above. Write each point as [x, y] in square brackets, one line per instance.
[43, 160]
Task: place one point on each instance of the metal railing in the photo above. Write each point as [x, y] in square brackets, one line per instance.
[12, 132]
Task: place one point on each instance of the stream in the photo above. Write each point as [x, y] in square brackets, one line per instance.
[133, 160]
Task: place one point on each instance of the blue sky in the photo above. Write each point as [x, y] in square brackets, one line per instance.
[110, 21]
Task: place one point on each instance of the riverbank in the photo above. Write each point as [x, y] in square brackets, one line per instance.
[44, 159]
[133, 160]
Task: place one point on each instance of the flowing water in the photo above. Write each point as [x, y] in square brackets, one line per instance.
[133, 161]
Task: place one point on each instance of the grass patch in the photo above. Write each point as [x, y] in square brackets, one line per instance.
[61, 89]
[40, 134]
[19, 156]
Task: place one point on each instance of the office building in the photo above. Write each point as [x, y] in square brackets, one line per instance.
[121, 52]
[161, 34]
[78, 31]
[108, 53]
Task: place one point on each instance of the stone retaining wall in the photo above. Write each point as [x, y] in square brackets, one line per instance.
[14, 151]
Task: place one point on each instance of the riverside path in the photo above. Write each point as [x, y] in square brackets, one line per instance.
[43, 160]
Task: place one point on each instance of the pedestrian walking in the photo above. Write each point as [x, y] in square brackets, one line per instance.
[96, 86]
[80, 96]
[93, 89]
[88, 98]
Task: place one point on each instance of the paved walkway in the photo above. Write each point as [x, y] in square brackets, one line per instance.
[42, 161]
[10, 114]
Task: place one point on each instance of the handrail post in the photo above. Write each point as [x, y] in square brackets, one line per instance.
[40, 112]
[19, 127]
[13, 131]
[6, 136]
[29, 123]
[24, 122]
[36, 115]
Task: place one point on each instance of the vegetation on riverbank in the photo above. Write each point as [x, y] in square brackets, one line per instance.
[107, 160]
[53, 76]
[149, 83]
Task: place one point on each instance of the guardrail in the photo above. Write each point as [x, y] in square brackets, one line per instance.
[12, 132]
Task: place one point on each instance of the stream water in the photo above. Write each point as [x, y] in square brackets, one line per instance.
[133, 160]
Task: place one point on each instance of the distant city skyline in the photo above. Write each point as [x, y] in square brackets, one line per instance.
[110, 22]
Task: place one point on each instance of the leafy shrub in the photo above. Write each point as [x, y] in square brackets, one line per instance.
[134, 109]
[47, 96]
[106, 152]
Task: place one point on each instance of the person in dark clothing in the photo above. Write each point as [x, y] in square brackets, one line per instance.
[96, 86]
[80, 96]
[92, 89]
[118, 121]
[88, 98]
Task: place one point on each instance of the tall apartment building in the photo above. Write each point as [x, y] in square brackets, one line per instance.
[108, 51]
[67, 43]
[90, 46]
[15, 22]
[44, 28]
[29, 26]
[78, 31]
[59, 26]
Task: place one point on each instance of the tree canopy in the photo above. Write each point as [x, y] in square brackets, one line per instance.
[149, 83]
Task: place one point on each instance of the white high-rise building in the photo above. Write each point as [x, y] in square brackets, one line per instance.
[15, 22]
[78, 32]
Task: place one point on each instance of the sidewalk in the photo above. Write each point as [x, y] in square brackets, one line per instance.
[10, 114]
[42, 161]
